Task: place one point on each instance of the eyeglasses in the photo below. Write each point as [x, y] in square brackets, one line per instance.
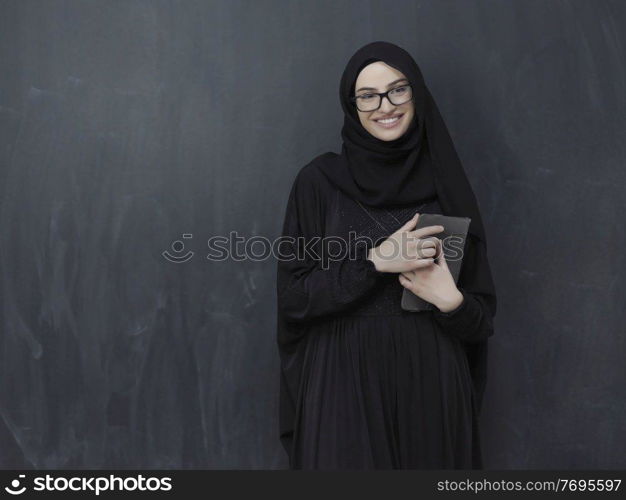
[371, 101]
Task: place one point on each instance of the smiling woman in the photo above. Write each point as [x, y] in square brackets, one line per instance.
[385, 115]
[364, 383]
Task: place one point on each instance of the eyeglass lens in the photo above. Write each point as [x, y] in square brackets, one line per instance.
[397, 96]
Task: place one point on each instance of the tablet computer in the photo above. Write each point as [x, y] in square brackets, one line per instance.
[453, 238]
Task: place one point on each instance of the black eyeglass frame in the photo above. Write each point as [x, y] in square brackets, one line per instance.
[380, 97]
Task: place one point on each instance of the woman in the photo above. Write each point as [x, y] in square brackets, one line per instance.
[365, 384]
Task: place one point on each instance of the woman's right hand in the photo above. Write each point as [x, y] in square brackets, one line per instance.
[407, 249]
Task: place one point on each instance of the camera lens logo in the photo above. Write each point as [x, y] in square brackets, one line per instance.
[177, 247]
[15, 484]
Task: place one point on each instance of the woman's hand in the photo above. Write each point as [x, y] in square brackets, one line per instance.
[406, 249]
[434, 284]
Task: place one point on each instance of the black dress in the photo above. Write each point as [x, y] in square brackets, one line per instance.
[365, 384]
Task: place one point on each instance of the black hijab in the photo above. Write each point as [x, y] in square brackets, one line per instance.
[418, 166]
[409, 170]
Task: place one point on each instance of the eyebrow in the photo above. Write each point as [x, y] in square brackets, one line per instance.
[389, 85]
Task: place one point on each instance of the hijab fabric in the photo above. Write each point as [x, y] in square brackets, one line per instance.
[419, 165]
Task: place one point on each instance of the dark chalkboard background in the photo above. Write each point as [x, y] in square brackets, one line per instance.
[126, 124]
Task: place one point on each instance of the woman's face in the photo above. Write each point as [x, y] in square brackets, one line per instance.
[380, 77]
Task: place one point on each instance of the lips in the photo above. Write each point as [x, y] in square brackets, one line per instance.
[388, 117]
[390, 124]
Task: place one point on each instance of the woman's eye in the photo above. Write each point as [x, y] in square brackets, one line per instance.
[366, 96]
[399, 90]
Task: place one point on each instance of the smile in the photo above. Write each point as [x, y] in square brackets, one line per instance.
[389, 122]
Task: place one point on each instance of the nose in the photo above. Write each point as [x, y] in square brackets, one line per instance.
[385, 104]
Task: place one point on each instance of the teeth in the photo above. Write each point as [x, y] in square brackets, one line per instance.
[389, 120]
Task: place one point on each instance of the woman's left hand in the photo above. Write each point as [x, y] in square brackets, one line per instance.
[434, 284]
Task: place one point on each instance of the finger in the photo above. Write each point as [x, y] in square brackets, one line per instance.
[409, 224]
[405, 282]
[438, 247]
[430, 242]
[416, 245]
[422, 263]
[427, 252]
[442, 260]
[427, 230]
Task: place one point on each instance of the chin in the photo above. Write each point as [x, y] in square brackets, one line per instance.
[392, 135]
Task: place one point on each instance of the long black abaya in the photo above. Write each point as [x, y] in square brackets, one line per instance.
[364, 384]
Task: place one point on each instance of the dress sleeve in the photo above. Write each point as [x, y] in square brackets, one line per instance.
[472, 320]
[308, 285]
